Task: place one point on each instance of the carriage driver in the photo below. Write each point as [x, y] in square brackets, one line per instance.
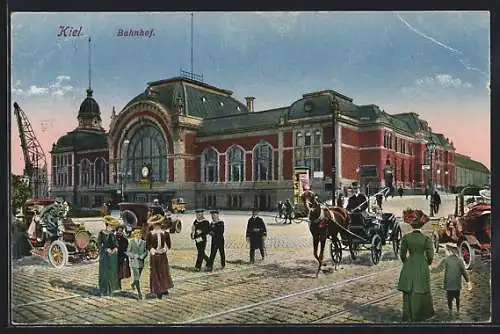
[358, 201]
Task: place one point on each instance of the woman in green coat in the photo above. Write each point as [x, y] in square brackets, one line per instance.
[108, 258]
[414, 280]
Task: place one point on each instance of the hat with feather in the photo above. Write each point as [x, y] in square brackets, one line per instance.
[156, 220]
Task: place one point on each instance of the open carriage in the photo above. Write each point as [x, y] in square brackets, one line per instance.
[469, 228]
[135, 215]
[367, 233]
[54, 236]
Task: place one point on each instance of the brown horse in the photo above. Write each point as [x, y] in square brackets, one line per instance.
[324, 223]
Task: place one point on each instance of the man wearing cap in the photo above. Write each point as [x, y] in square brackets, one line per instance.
[199, 231]
[137, 253]
[256, 234]
[157, 242]
[156, 208]
[108, 260]
[217, 234]
[358, 201]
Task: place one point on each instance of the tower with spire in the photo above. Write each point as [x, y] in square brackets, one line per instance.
[89, 114]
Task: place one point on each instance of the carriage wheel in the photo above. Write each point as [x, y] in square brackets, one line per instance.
[58, 254]
[435, 241]
[297, 220]
[92, 250]
[376, 249]
[336, 251]
[178, 227]
[279, 220]
[467, 253]
[129, 217]
[397, 235]
[354, 250]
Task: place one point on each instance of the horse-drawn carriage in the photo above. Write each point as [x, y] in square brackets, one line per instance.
[54, 236]
[370, 232]
[135, 215]
[469, 228]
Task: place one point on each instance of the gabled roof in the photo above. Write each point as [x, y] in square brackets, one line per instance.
[200, 100]
[466, 162]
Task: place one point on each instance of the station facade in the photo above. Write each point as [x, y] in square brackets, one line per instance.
[184, 138]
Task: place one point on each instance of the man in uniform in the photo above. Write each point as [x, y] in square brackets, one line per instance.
[358, 201]
[288, 211]
[256, 234]
[199, 232]
[217, 233]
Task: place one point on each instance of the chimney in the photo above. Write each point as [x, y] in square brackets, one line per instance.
[250, 100]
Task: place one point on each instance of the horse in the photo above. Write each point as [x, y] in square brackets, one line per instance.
[324, 222]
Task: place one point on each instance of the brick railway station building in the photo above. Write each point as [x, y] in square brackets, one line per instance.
[185, 138]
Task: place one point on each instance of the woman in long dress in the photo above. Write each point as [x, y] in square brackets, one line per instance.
[123, 261]
[414, 279]
[157, 242]
[108, 261]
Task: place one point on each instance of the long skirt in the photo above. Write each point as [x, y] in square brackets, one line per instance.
[160, 280]
[108, 274]
[123, 269]
[417, 306]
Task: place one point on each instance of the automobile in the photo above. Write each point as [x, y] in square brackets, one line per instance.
[54, 236]
[178, 205]
[135, 215]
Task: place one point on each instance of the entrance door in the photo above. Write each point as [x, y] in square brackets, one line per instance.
[262, 202]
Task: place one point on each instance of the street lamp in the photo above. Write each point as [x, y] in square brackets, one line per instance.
[431, 147]
[123, 167]
[334, 105]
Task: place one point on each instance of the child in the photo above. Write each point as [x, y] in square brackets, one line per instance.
[454, 269]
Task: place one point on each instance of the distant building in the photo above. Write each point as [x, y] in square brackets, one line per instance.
[185, 138]
[470, 172]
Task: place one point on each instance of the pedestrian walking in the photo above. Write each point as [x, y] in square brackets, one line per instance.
[123, 265]
[157, 242]
[217, 233]
[427, 192]
[256, 234]
[108, 258]
[414, 279]
[454, 270]
[436, 201]
[288, 211]
[137, 253]
[199, 232]
[400, 191]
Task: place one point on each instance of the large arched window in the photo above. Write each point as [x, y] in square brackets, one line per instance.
[147, 147]
[100, 171]
[263, 162]
[236, 164]
[210, 165]
[85, 172]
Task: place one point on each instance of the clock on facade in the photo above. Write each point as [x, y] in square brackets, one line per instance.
[145, 171]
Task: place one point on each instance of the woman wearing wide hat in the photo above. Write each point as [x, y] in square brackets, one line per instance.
[108, 261]
[414, 279]
[157, 242]
[137, 253]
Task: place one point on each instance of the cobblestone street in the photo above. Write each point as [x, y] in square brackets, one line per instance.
[282, 289]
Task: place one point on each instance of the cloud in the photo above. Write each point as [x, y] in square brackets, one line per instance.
[442, 80]
[58, 88]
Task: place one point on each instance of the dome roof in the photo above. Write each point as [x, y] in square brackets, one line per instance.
[89, 107]
[81, 140]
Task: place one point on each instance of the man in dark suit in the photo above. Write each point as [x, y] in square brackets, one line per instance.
[358, 201]
[256, 234]
[217, 233]
[199, 231]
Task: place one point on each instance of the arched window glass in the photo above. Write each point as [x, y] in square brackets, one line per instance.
[210, 165]
[85, 172]
[100, 171]
[147, 147]
[263, 162]
[236, 164]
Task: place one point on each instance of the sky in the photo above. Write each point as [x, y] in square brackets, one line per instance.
[436, 64]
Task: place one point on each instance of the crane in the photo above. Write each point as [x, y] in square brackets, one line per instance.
[35, 162]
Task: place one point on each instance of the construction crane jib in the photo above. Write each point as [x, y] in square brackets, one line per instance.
[35, 162]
